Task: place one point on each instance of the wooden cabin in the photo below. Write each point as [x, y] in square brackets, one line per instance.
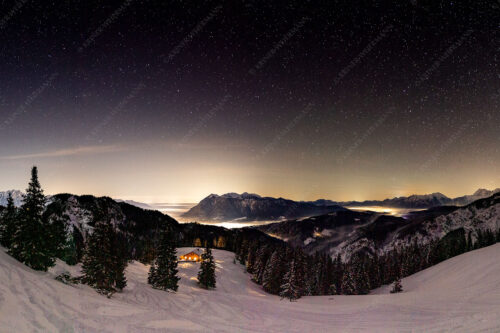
[191, 256]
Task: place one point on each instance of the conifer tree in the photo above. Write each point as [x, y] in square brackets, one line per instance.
[470, 244]
[338, 274]
[300, 271]
[68, 252]
[32, 242]
[348, 284]
[163, 272]
[8, 223]
[120, 279]
[290, 288]
[206, 275]
[103, 264]
[397, 286]
[262, 257]
[243, 252]
[250, 260]
[271, 278]
[361, 279]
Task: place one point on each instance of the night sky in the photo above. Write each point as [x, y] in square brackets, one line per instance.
[174, 100]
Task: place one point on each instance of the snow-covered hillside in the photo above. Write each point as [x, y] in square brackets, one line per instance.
[459, 295]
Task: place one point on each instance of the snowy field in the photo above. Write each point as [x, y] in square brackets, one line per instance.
[459, 295]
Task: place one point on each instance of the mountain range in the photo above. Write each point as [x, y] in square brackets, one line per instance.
[252, 207]
[349, 232]
[248, 206]
[415, 201]
[135, 203]
[139, 227]
[16, 195]
[338, 231]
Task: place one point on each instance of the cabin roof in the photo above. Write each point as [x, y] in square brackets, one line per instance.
[191, 253]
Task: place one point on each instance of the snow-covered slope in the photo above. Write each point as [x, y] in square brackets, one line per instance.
[458, 295]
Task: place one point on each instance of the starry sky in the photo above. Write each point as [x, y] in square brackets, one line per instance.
[169, 101]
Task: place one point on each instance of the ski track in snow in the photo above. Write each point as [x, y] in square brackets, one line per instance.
[459, 295]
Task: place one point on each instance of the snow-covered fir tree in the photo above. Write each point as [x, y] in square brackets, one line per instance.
[8, 222]
[32, 243]
[290, 288]
[250, 260]
[103, 263]
[271, 278]
[206, 275]
[348, 283]
[68, 253]
[163, 272]
[300, 270]
[361, 278]
[261, 260]
[397, 287]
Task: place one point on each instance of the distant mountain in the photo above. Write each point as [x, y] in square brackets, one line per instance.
[139, 227]
[16, 195]
[348, 232]
[253, 207]
[414, 201]
[479, 194]
[135, 203]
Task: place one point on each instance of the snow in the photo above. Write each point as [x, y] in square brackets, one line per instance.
[17, 196]
[309, 240]
[459, 295]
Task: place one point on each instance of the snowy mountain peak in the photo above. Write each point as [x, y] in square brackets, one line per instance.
[482, 192]
[16, 195]
[233, 195]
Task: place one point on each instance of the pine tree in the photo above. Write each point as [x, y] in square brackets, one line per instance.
[103, 263]
[470, 244]
[250, 260]
[300, 271]
[397, 286]
[290, 288]
[8, 223]
[206, 275]
[348, 284]
[271, 278]
[361, 279]
[32, 243]
[262, 257]
[68, 253]
[120, 279]
[374, 272]
[338, 274]
[243, 252]
[163, 272]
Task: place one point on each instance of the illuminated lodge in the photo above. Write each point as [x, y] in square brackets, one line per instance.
[191, 256]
